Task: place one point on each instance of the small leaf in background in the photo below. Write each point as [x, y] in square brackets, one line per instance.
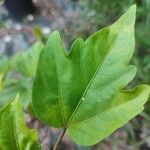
[26, 62]
[4, 67]
[23, 87]
[7, 95]
[38, 33]
[83, 91]
[4, 64]
[14, 134]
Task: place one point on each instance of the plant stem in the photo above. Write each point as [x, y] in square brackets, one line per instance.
[59, 139]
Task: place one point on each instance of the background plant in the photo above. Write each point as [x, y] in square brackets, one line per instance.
[17, 74]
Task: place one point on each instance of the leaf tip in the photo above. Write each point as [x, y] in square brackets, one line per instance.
[144, 90]
[132, 9]
[129, 16]
[147, 88]
[53, 37]
[56, 33]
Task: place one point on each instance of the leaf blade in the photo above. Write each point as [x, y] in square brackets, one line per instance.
[13, 129]
[111, 119]
[85, 82]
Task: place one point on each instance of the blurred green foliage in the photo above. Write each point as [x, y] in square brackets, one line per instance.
[17, 74]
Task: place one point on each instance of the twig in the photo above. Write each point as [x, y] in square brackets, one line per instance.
[59, 139]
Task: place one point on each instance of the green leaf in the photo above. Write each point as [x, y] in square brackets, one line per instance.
[126, 105]
[14, 134]
[7, 95]
[26, 62]
[82, 91]
[4, 64]
[23, 87]
[4, 67]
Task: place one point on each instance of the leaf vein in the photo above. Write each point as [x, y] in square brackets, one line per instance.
[90, 82]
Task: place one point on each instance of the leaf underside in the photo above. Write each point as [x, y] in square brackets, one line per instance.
[82, 90]
[14, 134]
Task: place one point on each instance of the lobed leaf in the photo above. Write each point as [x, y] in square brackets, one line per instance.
[83, 90]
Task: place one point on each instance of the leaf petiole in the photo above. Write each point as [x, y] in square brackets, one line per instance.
[59, 139]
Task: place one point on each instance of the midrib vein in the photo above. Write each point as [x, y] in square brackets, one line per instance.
[105, 111]
[59, 97]
[90, 82]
